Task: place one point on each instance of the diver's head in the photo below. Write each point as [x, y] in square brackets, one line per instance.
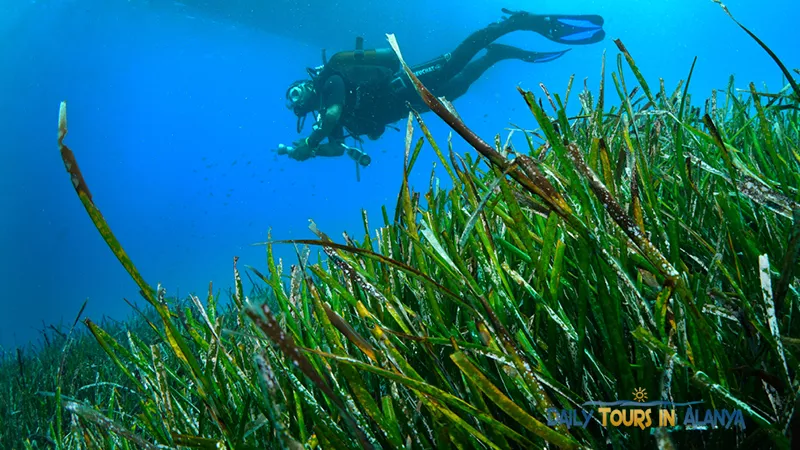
[301, 97]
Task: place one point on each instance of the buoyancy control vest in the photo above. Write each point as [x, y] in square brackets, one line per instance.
[367, 75]
[362, 67]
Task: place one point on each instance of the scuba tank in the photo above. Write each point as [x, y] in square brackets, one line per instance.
[359, 66]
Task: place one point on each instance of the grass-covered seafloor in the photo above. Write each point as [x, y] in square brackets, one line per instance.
[650, 246]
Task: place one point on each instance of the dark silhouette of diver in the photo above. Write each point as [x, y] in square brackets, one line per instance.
[361, 92]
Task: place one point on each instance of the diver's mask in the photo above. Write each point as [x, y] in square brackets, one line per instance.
[300, 98]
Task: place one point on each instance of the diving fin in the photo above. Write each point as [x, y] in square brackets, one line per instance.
[511, 52]
[540, 57]
[564, 28]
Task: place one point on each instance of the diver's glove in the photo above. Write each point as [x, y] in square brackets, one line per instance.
[302, 147]
[284, 149]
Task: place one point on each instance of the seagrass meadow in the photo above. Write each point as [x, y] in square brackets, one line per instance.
[648, 247]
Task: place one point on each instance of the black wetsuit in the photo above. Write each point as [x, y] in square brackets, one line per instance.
[369, 111]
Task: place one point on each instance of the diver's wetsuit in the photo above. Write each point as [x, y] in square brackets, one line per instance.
[450, 76]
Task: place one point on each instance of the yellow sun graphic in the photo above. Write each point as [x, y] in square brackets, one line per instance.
[640, 395]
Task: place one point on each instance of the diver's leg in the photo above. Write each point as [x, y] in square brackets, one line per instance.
[568, 29]
[560, 28]
[460, 83]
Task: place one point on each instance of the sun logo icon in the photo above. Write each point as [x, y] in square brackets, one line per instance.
[640, 395]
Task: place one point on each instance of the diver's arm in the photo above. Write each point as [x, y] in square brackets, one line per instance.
[333, 97]
[328, 121]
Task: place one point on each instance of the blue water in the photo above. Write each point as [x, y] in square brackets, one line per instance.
[172, 115]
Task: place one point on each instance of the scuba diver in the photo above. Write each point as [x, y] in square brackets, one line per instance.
[362, 92]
